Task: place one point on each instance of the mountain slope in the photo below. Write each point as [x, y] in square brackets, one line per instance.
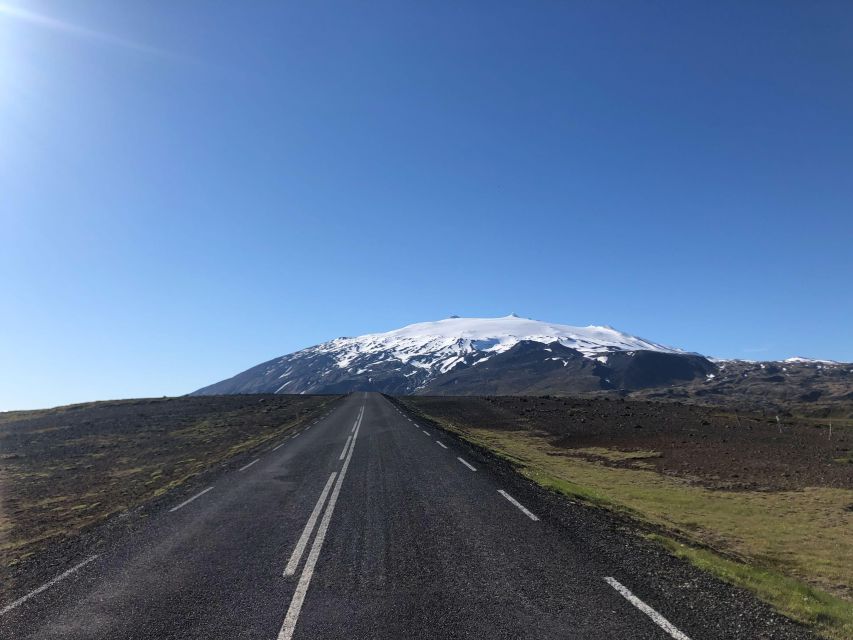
[470, 355]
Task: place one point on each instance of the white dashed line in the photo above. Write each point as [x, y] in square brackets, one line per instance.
[466, 464]
[186, 502]
[346, 446]
[441, 444]
[425, 431]
[296, 556]
[517, 504]
[281, 444]
[45, 586]
[657, 618]
[249, 465]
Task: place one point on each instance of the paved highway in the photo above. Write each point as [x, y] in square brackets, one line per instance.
[368, 524]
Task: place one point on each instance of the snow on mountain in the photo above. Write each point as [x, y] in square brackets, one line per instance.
[445, 343]
[798, 359]
[408, 359]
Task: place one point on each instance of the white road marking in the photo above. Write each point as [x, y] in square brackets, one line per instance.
[657, 618]
[186, 502]
[249, 465]
[354, 425]
[442, 445]
[346, 446]
[466, 464]
[281, 444]
[46, 585]
[289, 624]
[296, 556]
[425, 431]
[517, 504]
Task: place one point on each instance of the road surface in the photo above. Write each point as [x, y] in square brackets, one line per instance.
[368, 524]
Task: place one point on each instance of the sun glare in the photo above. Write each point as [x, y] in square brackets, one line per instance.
[15, 13]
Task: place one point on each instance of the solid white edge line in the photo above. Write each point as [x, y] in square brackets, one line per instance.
[523, 509]
[657, 618]
[243, 468]
[467, 464]
[46, 585]
[186, 502]
[296, 556]
[441, 444]
[346, 446]
[292, 616]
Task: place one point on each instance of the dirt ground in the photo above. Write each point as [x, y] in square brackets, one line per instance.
[714, 447]
[65, 470]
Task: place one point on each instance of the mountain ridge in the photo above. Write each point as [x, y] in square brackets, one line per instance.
[408, 359]
[511, 355]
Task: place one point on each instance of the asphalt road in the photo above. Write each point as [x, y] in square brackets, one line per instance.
[369, 525]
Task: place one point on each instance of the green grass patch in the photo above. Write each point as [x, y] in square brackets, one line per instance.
[831, 616]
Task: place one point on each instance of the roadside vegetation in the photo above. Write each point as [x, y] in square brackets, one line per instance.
[66, 470]
[790, 545]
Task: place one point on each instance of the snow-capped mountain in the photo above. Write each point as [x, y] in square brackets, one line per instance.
[472, 355]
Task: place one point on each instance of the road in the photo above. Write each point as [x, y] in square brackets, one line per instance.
[368, 524]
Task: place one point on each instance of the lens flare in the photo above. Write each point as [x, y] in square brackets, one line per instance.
[70, 29]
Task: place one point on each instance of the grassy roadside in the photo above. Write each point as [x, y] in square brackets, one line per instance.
[793, 549]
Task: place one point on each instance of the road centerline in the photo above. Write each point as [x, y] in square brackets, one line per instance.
[292, 616]
[296, 556]
[346, 446]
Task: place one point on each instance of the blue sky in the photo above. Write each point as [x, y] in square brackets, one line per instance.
[191, 188]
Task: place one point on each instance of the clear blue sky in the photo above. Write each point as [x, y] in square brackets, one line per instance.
[189, 188]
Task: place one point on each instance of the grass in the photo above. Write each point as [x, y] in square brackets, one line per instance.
[614, 455]
[829, 614]
[793, 549]
[54, 485]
